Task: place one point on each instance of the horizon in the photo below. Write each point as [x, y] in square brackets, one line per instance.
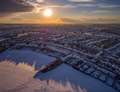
[59, 12]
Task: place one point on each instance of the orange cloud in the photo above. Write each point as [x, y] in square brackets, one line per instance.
[33, 21]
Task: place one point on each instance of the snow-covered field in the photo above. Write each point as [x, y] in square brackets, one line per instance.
[27, 56]
[65, 73]
[19, 78]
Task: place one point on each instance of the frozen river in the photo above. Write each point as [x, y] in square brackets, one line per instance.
[65, 73]
[27, 56]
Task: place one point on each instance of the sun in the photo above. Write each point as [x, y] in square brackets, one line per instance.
[48, 12]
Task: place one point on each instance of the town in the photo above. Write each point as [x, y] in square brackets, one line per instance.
[93, 50]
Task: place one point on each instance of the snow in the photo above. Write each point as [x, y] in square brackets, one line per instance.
[65, 73]
[62, 73]
[27, 56]
[19, 78]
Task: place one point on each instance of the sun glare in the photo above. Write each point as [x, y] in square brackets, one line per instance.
[48, 12]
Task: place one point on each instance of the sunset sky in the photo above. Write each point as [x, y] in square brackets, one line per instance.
[64, 11]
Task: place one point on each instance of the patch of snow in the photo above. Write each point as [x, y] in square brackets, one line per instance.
[65, 73]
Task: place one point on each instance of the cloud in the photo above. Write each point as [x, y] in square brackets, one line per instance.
[70, 20]
[108, 6]
[13, 6]
[33, 3]
[63, 6]
[87, 5]
[81, 0]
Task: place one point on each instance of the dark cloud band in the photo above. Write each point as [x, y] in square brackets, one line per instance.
[12, 6]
